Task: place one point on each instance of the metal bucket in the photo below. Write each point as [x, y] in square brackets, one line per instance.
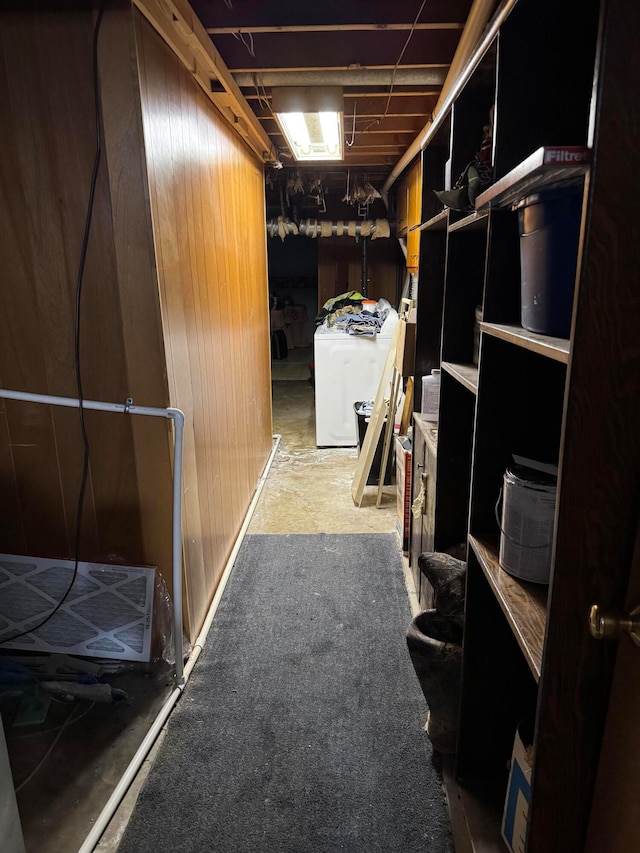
[526, 527]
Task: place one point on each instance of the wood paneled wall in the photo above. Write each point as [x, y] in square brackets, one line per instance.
[174, 306]
[47, 138]
[207, 201]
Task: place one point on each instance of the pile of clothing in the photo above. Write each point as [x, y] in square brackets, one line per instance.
[348, 312]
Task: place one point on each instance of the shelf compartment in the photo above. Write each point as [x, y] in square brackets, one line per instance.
[547, 167]
[555, 348]
[474, 222]
[466, 374]
[524, 604]
[436, 223]
[453, 479]
[464, 284]
[475, 810]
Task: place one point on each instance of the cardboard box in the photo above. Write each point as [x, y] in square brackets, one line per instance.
[403, 448]
[516, 806]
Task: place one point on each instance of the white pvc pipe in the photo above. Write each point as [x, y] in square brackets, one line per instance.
[177, 416]
[112, 804]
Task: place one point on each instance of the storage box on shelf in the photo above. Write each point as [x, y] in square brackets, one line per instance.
[516, 809]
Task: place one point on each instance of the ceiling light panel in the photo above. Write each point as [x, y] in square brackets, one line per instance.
[311, 119]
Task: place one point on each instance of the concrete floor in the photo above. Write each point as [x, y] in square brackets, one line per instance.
[307, 491]
[309, 488]
[60, 802]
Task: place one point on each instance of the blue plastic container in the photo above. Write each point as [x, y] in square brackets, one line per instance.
[549, 225]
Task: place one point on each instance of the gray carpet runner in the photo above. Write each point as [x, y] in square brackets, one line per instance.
[300, 729]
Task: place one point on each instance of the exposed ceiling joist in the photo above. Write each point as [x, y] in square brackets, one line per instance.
[424, 76]
[405, 93]
[369, 109]
[391, 61]
[353, 96]
[388, 124]
[332, 28]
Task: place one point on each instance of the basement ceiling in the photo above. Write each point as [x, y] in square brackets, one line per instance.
[390, 58]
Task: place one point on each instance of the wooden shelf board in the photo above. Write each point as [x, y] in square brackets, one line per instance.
[543, 169]
[436, 223]
[466, 374]
[429, 431]
[555, 348]
[474, 222]
[524, 604]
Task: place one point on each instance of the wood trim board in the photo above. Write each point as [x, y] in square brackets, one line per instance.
[374, 430]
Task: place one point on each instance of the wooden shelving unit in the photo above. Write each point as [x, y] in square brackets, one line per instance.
[527, 651]
[546, 168]
[429, 430]
[475, 221]
[424, 462]
[555, 348]
[436, 223]
[466, 374]
[524, 604]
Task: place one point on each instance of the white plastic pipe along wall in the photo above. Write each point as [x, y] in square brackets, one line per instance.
[177, 416]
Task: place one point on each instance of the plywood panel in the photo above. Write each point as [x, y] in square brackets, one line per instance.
[146, 380]
[160, 153]
[208, 216]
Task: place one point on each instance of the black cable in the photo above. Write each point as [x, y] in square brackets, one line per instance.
[79, 279]
[393, 73]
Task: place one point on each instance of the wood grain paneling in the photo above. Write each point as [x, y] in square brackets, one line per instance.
[207, 204]
[174, 307]
[47, 135]
[146, 375]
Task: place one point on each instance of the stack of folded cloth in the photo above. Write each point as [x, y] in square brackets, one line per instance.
[359, 322]
[362, 324]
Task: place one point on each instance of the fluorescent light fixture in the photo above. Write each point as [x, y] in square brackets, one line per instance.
[311, 120]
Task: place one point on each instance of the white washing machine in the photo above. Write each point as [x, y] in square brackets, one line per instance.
[347, 369]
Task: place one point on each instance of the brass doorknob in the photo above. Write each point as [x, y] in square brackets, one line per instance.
[605, 626]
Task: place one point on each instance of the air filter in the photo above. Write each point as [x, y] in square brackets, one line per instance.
[108, 612]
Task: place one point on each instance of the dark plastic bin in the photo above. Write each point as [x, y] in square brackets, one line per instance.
[549, 225]
[374, 474]
[436, 654]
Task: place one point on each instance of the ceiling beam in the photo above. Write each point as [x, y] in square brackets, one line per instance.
[265, 116]
[407, 93]
[366, 108]
[180, 28]
[425, 75]
[384, 124]
[332, 28]
[398, 131]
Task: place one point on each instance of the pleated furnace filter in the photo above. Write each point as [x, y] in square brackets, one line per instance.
[107, 614]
